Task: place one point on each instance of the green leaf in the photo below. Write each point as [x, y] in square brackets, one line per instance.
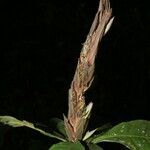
[58, 127]
[67, 146]
[135, 135]
[11, 121]
[94, 147]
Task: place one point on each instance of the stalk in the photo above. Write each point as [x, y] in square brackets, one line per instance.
[79, 113]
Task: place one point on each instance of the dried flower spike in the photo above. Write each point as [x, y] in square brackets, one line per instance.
[79, 113]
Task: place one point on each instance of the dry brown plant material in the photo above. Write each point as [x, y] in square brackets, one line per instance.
[79, 112]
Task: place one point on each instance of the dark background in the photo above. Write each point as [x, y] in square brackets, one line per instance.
[40, 43]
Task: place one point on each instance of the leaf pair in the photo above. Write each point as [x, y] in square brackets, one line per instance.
[135, 135]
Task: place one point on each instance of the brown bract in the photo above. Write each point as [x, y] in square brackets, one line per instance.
[79, 113]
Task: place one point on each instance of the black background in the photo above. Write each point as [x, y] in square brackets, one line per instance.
[40, 44]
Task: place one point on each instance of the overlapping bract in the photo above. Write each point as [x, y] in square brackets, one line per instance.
[79, 113]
